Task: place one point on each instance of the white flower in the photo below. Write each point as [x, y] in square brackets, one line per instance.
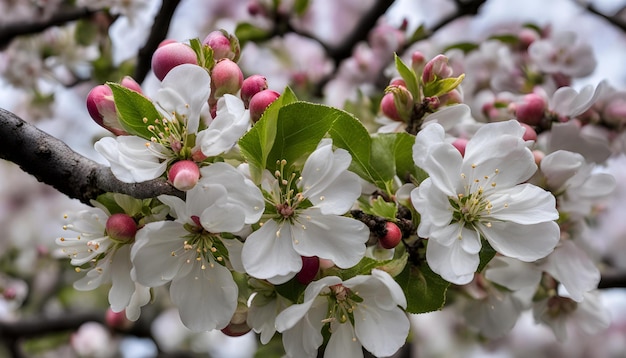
[308, 222]
[574, 183]
[563, 53]
[232, 120]
[184, 91]
[479, 196]
[568, 102]
[362, 311]
[111, 262]
[190, 251]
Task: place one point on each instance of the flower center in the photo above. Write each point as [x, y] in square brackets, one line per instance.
[202, 244]
[470, 206]
[285, 196]
[343, 302]
[171, 133]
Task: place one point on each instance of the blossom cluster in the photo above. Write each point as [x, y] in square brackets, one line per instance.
[294, 218]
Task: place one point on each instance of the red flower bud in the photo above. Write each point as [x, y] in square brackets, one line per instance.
[171, 55]
[223, 46]
[226, 77]
[310, 267]
[101, 108]
[117, 320]
[260, 101]
[184, 174]
[392, 237]
[531, 110]
[121, 228]
[436, 68]
[251, 86]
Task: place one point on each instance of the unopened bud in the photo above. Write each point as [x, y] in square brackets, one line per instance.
[460, 144]
[531, 110]
[171, 55]
[260, 101]
[223, 45]
[436, 68]
[418, 60]
[238, 323]
[121, 228]
[392, 236]
[251, 86]
[529, 133]
[310, 267]
[184, 175]
[397, 82]
[397, 104]
[117, 320]
[226, 77]
[130, 83]
[101, 108]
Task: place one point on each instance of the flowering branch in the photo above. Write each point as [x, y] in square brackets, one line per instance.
[9, 32]
[51, 161]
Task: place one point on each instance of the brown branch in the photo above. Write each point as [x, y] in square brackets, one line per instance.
[614, 20]
[613, 280]
[52, 162]
[10, 31]
[159, 30]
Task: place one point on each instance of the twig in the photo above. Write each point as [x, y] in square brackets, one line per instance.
[52, 162]
[159, 30]
[9, 32]
[614, 20]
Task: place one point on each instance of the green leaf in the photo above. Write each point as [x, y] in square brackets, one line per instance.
[257, 143]
[132, 108]
[463, 46]
[425, 291]
[364, 267]
[486, 254]
[409, 77]
[442, 86]
[204, 53]
[300, 6]
[506, 38]
[383, 208]
[419, 34]
[247, 32]
[291, 290]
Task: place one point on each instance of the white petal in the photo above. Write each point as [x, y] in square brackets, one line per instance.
[443, 166]
[203, 195]
[234, 248]
[343, 342]
[289, 317]
[574, 269]
[151, 254]
[431, 135]
[523, 204]
[131, 161]
[523, 242]
[339, 196]
[140, 298]
[178, 207]
[269, 252]
[206, 297]
[192, 84]
[322, 168]
[222, 217]
[122, 287]
[512, 273]
[452, 263]
[231, 122]
[559, 166]
[382, 332]
[304, 339]
[433, 206]
[337, 238]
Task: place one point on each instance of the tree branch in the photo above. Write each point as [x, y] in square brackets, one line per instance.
[52, 162]
[159, 30]
[10, 31]
[614, 20]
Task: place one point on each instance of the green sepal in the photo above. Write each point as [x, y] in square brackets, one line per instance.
[442, 86]
[245, 32]
[132, 108]
[409, 77]
[204, 54]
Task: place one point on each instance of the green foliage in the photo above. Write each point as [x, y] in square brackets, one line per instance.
[132, 108]
[463, 46]
[410, 78]
[204, 54]
[300, 6]
[381, 208]
[442, 86]
[425, 291]
[245, 32]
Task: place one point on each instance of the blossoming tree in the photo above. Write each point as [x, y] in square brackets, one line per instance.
[320, 216]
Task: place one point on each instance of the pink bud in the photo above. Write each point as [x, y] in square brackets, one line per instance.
[397, 104]
[223, 46]
[226, 77]
[251, 86]
[171, 55]
[418, 60]
[392, 236]
[121, 227]
[436, 68]
[538, 156]
[310, 267]
[166, 42]
[101, 108]
[260, 101]
[9, 293]
[460, 144]
[531, 110]
[529, 133]
[117, 320]
[389, 108]
[184, 175]
[398, 82]
[130, 83]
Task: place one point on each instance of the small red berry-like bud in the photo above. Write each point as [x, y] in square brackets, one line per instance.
[397, 82]
[101, 108]
[117, 320]
[531, 110]
[238, 326]
[223, 45]
[260, 101]
[460, 144]
[397, 104]
[171, 55]
[121, 228]
[389, 108]
[310, 267]
[392, 237]
[251, 86]
[184, 174]
[226, 77]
